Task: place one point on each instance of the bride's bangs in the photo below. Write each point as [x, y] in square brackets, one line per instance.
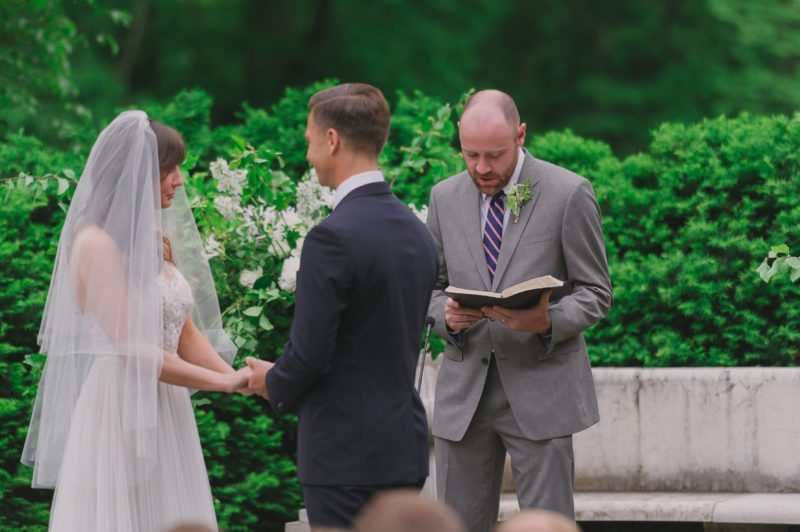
[171, 147]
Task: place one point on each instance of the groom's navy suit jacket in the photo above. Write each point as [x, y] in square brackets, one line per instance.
[363, 289]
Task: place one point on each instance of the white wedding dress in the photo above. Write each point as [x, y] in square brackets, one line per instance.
[100, 486]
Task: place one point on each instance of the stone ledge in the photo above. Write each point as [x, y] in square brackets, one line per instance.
[765, 508]
[761, 508]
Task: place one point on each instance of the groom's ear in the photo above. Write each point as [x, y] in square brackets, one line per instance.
[333, 141]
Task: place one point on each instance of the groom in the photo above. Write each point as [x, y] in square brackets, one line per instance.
[366, 277]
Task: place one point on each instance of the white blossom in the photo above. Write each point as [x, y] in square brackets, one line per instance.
[313, 200]
[255, 221]
[228, 180]
[269, 218]
[289, 220]
[288, 278]
[228, 206]
[212, 248]
[249, 277]
[421, 213]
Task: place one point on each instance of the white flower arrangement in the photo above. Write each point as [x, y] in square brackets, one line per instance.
[249, 277]
[259, 224]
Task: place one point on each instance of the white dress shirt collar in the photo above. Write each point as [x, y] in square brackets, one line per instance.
[355, 181]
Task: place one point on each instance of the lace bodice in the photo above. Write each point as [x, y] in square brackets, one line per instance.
[177, 297]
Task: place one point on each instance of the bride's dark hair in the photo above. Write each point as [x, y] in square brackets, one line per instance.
[171, 147]
[171, 153]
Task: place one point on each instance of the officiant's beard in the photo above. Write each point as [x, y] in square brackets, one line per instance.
[496, 181]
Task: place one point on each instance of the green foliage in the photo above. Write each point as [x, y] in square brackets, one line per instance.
[38, 38]
[29, 225]
[686, 225]
[282, 126]
[420, 152]
[615, 69]
[38, 86]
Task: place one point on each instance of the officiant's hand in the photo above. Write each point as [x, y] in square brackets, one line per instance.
[458, 318]
[258, 378]
[535, 319]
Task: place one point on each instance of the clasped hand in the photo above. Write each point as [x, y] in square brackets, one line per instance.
[535, 319]
[257, 382]
[250, 379]
[237, 381]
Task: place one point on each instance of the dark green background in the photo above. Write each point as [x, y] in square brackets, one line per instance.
[608, 69]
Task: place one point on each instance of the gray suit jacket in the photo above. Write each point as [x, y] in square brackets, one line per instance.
[549, 386]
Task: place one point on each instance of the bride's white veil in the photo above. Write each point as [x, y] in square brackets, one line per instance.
[103, 316]
[188, 256]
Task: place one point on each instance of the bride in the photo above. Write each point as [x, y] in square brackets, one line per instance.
[131, 323]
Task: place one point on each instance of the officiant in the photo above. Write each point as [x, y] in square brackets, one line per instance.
[516, 381]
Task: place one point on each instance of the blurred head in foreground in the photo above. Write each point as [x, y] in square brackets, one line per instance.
[406, 511]
[538, 521]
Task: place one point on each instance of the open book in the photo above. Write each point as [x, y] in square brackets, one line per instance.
[522, 295]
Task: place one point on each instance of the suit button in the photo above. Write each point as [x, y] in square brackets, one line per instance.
[485, 361]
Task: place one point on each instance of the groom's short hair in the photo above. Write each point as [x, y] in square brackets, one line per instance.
[357, 111]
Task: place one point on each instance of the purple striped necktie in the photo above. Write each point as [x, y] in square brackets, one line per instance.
[493, 232]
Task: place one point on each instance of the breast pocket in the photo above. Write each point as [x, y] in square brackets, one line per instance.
[538, 237]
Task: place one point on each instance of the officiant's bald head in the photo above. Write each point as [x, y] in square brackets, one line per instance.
[491, 136]
[489, 105]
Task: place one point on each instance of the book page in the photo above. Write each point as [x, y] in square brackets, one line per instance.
[546, 281]
[466, 291]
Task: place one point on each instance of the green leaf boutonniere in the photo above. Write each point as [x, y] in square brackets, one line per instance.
[518, 196]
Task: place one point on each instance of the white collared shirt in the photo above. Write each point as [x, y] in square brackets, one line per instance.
[355, 181]
[487, 200]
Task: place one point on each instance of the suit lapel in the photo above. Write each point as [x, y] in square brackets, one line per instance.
[513, 231]
[471, 217]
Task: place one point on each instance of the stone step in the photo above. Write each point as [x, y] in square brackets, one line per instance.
[711, 508]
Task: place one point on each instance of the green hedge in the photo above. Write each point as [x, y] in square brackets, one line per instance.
[686, 224]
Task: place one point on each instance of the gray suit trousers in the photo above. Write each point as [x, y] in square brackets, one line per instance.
[470, 472]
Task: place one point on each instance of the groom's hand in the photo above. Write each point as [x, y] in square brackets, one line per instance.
[258, 379]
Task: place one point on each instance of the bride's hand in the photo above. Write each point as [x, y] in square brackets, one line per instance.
[246, 391]
[233, 382]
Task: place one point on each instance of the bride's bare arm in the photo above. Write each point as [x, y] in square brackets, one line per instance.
[175, 370]
[96, 258]
[195, 348]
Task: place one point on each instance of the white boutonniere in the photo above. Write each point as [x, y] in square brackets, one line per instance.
[518, 196]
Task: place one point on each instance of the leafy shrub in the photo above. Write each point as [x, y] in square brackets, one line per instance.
[686, 224]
